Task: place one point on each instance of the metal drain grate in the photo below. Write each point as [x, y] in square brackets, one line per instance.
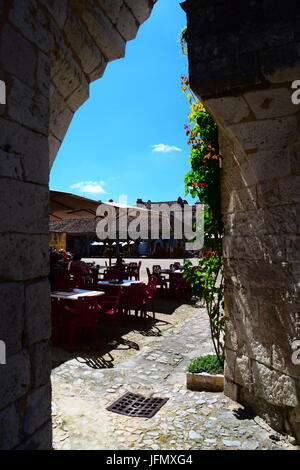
[133, 404]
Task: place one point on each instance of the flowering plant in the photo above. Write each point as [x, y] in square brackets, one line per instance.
[203, 181]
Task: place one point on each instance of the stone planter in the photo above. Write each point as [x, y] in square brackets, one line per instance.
[205, 382]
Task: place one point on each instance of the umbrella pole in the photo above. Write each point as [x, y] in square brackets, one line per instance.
[109, 253]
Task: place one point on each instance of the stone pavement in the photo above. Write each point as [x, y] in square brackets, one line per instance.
[84, 386]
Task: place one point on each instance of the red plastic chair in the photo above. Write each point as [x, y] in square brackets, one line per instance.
[94, 272]
[110, 307]
[133, 270]
[161, 280]
[109, 273]
[179, 288]
[150, 293]
[62, 282]
[78, 315]
[135, 298]
[80, 279]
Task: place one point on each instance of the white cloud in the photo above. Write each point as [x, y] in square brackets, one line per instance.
[165, 148]
[90, 187]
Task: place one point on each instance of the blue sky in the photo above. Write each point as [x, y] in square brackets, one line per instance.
[128, 138]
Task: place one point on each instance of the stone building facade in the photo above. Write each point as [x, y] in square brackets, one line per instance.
[243, 60]
[50, 51]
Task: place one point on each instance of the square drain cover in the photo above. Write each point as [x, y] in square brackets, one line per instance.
[133, 404]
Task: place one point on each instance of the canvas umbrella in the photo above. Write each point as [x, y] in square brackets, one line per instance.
[70, 206]
[64, 205]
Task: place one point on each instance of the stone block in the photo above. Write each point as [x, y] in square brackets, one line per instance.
[294, 422]
[232, 178]
[111, 8]
[272, 275]
[109, 41]
[38, 410]
[14, 378]
[141, 10]
[274, 387]
[58, 9]
[127, 25]
[285, 58]
[12, 316]
[293, 249]
[247, 174]
[27, 150]
[257, 347]
[244, 199]
[270, 164]
[60, 114]
[281, 358]
[33, 22]
[78, 97]
[229, 109]
[54, 145]
[41, 362]
[283, 75]
[229, 367]
[82, 44]
[40, 440]
[229, 74]
[23, 206]
[9, 428]
[268, 193]
[10, 165]
[231, 390]
[43, 74]
[23, 256]
[17, 55]
[289, 189]
[267, 134]
[294, 159]
[28, 107]
[231, 339]
[271, 103]
[97, 72]
[37, 312]
[242, 372]
[65, 72]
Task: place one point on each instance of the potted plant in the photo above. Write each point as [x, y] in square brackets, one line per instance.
[205, 373]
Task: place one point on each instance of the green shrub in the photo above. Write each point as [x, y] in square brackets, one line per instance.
[209, 363]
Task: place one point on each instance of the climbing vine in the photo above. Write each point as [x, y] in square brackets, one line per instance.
[203, 182]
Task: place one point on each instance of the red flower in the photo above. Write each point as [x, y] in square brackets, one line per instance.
[198, 185]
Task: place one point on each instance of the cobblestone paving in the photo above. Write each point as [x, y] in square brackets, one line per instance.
[83, 388]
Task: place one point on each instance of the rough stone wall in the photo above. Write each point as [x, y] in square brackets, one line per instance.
[243, 58]
[50, 50]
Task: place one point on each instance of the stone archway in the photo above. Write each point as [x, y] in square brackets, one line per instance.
[243, 62]
[50, 51]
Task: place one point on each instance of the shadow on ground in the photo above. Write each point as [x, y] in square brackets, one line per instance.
[111, 337]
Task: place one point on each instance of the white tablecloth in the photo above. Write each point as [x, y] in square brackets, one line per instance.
[76, 294]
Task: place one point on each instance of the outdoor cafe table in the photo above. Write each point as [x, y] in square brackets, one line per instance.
[171, 271]
[75, 294]
[60, 301]
[117, 283]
